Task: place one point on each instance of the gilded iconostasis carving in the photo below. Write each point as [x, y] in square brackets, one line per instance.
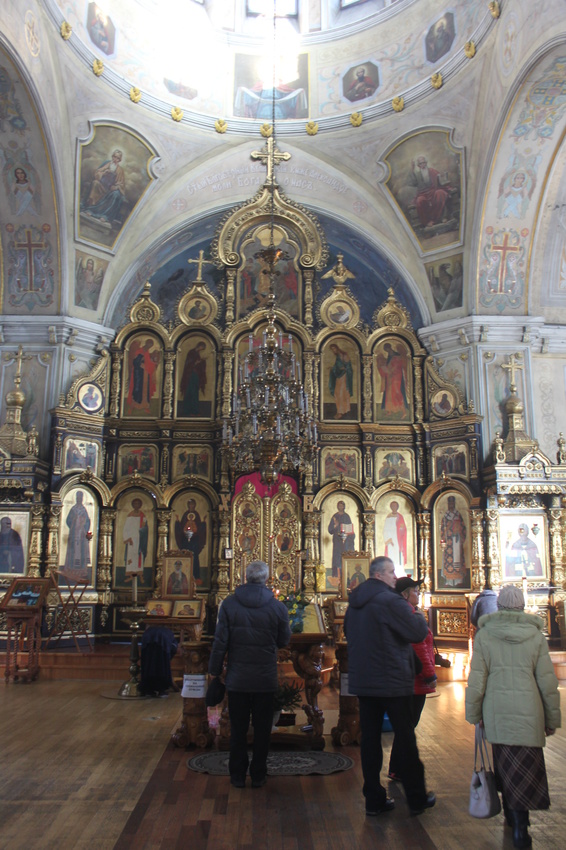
[139, 210]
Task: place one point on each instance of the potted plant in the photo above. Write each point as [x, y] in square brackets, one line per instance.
[287, 697]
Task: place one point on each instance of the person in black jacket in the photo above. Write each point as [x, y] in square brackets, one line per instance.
[252, 626]
[380, 627]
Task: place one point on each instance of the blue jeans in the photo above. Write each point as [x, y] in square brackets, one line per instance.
[240, 706]
[400, 713]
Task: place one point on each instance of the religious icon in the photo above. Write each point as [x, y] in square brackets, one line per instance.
[442, 403]
[196, 378]
[90, 398]
[341, 380]
[78, 543]
[393, 381]
[523, 546]
[393, 464]
[143, 371]
[453, 543]
[191, 514]
[395, 532]
[14, 531]
[341, 526]
[80, 454]
[134, 539]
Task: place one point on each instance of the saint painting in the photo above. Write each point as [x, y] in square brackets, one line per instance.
[191, 533]
[77, 543]
[196, 379]
[342, 535]
[453, 542]
[134, 539]
[395, 532]
[143, 369]
[341, 376]
[393, 382]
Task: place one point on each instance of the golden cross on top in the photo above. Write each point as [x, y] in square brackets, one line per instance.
[19, 357]
[270, 156]
[511, 367]
[201, 262]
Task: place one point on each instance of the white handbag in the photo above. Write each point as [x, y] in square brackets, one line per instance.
[484, 799]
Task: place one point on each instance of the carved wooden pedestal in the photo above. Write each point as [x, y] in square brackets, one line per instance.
[306, 653]
[24, 636]
[348, 729]
[194, 728]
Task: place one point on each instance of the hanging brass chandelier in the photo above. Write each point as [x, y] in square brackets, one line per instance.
[272, 426]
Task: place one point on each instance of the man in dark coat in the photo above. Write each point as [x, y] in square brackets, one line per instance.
[380, 626]
[252, 626]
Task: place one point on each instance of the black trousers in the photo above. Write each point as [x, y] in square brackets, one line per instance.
[418, 705]
[400, 713]
[242, 705]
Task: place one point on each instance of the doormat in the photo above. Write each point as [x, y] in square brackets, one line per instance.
[288, 763]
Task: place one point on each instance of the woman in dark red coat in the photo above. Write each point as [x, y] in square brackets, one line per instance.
[425, 679]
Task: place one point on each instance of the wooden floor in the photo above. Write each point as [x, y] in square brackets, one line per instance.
[79, 770]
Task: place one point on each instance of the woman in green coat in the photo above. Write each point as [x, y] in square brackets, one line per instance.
[513, 691]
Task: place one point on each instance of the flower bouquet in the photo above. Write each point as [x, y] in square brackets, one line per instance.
[295, 604]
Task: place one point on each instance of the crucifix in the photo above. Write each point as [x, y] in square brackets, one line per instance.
[29, 247]
[505, 249]
[200, 262]
[19, 357]
[512, 366]
[270, 156]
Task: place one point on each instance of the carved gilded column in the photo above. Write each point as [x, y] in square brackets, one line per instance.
[311, 525]
[228, 358]
[36, 535]
[478, 561]
[492, 554]
[425, 563]
[230, 295]
[223, 571]
[117, 357]
[168, 385]
[316, 385]
[369, 532]
[219, 380]
[418, 377]
[368, 470]
[367, 393]
[556, 518]
[163, 519]
[53, 525]
[104, 560]
[57, 451]
[308, 277]
[165, 455]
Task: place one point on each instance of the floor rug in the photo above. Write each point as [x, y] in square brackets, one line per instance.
[289, 763]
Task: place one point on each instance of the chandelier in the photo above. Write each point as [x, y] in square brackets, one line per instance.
[272, 426]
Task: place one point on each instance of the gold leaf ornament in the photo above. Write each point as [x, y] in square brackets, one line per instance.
[356, 119]
[436, 80]
[220, 125]
[312, 128]
[398, 103]
[135, 95]
[266, 130]
[177, 113]
[65, 30]
[98, 67]
[494, 9]
[470, 49]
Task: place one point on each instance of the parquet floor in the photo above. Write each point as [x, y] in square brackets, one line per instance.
[79, 771]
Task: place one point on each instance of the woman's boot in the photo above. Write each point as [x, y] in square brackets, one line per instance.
[521, 837]
[507, 811]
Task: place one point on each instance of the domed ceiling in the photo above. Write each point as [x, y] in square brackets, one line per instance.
[215, 61]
